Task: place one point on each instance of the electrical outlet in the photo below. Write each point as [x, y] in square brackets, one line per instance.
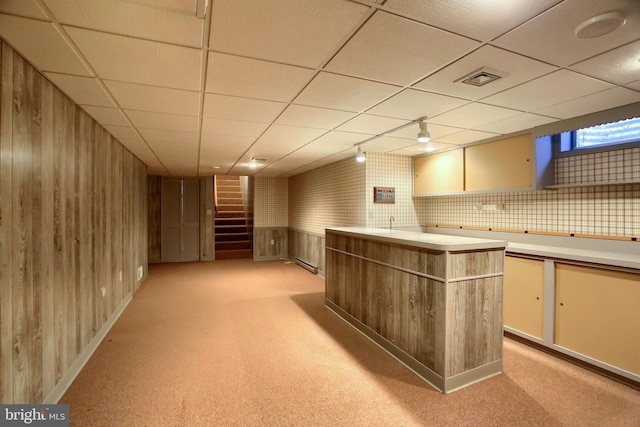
[273, 242]
[103, 291]
[120, 275]
[140, 272]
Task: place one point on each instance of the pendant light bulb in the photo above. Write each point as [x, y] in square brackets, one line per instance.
[360, 157]
[423, 135]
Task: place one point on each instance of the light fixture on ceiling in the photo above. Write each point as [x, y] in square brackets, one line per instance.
[254, 162]
[600, 25]
[360, 157]
[424, 135]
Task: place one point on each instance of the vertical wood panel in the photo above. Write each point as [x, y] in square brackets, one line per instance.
[67, 200]
[47, 265]
[6, 224]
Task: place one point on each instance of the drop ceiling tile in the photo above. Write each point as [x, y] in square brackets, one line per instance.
[417, 149]
[280, 140]
[232, 127]
[619, 66]
[467, 137]
[142, 151]
[280, 170]
[560, 86]
[473, 115]
[436, 131]
[106, 116]
[82, 90]
[180, 159]
[313, 117]
[517, 123]
[26, 8]
[162, 121]
[367, 123]
[318, 149]
[339, 139]
[411, 104]
[252, 78]
[392, 49]
[634, 85]
[386, 143]
[122, 132]
[481, 20]
[301, 32]
[283, 134]
[153, 98]
[174, 6]
[169, 136]
[235, 108]
[41, 43]
[518, 69]
[592, 103]
[139, 61]
[131, 19]
[343, 93]
[555, 28]
[223, 150]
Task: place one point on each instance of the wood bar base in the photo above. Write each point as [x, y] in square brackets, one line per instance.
[436, 307]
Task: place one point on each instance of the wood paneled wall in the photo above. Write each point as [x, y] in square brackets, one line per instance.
[308, 247]
[73, 224]
[262, 247]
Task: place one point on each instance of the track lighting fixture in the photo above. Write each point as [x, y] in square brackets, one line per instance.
[423, 135]
[360, 157]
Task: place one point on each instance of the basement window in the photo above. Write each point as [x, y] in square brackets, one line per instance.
[605, 135]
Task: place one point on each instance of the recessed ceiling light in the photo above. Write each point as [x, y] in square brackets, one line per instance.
[600, 25]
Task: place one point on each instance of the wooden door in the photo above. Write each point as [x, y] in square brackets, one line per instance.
[180, 220]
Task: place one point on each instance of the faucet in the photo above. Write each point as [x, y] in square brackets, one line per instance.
[391, 219]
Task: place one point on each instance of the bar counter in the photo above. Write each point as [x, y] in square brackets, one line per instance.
[432, 301]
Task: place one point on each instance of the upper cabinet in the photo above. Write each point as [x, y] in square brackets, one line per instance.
[500, 165]
[439, 173]
[514, 163]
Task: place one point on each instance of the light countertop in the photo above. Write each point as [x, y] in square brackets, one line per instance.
[439, 242]
[584, 255]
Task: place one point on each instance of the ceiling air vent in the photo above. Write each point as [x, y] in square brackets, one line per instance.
[481, 77]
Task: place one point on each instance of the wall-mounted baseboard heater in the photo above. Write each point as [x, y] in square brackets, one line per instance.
[306, 265]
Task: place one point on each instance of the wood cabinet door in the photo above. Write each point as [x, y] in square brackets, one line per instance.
[499, 165]
[597, 314]
[524, 295]
[439, 173]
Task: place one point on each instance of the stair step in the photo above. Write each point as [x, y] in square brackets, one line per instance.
[226, 246]
[230, 208]
[234, 254]
[232, 237]
[220, 229]
[230, 214]
[231, 221]
[230, 201]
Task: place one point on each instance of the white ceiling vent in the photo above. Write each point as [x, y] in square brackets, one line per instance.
[482, 76]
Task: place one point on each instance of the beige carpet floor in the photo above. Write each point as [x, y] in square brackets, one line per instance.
[245, 343]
